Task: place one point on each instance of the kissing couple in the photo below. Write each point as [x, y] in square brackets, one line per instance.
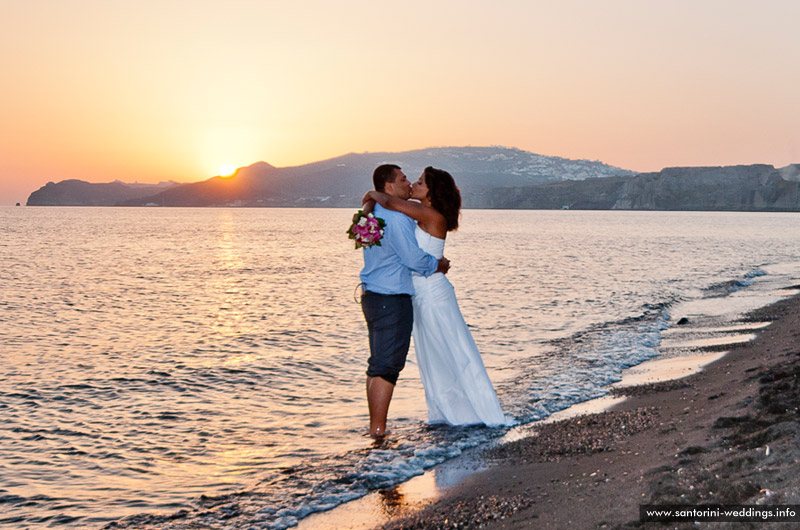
[404, 288]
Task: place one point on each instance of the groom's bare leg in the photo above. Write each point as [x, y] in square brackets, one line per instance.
[379, 395]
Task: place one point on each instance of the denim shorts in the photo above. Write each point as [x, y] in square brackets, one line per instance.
[390, 319]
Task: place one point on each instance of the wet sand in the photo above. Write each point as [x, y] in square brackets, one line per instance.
[729, 434]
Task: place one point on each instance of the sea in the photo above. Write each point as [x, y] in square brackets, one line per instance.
[188, 368]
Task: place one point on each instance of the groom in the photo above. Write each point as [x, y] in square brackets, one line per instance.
[386, 299]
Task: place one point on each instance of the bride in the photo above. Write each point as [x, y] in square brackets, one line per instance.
[457, 388]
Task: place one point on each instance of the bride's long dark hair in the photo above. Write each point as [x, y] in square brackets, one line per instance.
[444, 195]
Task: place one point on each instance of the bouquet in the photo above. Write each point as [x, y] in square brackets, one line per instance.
[366, 229]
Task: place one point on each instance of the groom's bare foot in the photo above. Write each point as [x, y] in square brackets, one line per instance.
[379, 433]
[381, 441]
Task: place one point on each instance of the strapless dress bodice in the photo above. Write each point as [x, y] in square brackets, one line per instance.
[430, 244]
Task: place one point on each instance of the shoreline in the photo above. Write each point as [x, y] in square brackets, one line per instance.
[383, 506]
[726, 434]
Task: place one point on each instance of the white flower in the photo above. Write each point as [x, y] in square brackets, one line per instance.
[362, 221]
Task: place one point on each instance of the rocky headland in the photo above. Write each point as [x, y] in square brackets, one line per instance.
[757, 187]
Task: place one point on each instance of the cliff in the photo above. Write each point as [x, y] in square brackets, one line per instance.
[731, 188]
[756, 187]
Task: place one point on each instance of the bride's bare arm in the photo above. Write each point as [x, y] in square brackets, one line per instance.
[413, 209]
[367, 205]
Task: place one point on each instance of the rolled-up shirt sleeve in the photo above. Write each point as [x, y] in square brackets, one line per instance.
[413, 257]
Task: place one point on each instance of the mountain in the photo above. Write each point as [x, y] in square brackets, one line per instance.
[757, 187]
[80, 193]
[342, 181]
[489, 177]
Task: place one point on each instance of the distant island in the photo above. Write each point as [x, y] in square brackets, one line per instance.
[80, 193]
[489, 177]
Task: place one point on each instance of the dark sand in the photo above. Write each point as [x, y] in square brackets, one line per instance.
[729, 434]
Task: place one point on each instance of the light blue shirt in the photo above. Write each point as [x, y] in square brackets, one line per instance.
[387, 268]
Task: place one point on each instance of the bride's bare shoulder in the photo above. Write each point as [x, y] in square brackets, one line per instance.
[434, 223]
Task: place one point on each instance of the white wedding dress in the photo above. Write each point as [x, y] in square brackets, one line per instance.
[457, 388]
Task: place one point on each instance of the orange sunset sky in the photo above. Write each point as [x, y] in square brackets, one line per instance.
[153, 90]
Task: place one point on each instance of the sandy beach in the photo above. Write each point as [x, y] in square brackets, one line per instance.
[725, 435]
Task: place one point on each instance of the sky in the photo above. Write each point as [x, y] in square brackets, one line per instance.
[157, 90]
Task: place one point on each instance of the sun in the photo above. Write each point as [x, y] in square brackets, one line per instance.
[226, 170]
